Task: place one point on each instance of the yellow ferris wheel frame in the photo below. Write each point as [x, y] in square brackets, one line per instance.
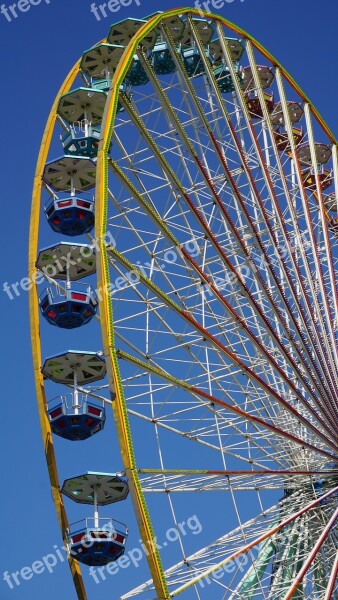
[106, 314]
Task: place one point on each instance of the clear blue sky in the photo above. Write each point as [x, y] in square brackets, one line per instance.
[38, 48]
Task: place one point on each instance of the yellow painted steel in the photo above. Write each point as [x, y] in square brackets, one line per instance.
[107, 327]
[47, 437]
[106, 316]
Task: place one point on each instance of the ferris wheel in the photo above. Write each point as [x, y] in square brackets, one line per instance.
[196, 197]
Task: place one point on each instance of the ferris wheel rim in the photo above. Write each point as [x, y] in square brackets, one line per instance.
[100, 230]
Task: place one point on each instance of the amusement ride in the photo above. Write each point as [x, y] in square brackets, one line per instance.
[185, 209]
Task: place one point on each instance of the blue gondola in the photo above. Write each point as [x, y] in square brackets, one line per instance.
[69, 308]
[70, 215]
